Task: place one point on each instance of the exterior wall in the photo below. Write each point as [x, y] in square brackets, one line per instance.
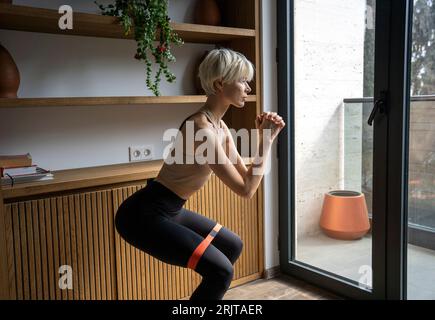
[329, 51]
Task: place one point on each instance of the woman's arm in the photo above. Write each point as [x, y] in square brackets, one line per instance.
[256, 170]
[245, 184]
[231, 151]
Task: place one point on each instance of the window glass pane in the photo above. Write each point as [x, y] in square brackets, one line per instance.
[334, 72]
[421, 175]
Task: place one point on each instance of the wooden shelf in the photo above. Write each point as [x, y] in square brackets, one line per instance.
[32, 19]
[101, 101]
[73, 179]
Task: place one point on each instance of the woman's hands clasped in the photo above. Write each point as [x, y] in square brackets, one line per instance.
[269, 120]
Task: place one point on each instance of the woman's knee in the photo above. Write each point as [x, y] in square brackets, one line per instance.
[223, 275]
[216, 266]
[232, 245]
[238, 246]
[226, 272]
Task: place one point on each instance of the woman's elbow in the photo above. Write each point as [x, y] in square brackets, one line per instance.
[247, 194]
[248, 190]
[250, 195]
[242, 193]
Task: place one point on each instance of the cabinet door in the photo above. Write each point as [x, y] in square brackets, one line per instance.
[78, 231]
[75, 231]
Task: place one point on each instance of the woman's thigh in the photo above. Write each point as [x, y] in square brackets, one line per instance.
[166, 240]
[226, 241]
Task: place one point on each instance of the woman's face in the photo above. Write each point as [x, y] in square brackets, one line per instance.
[236, 92]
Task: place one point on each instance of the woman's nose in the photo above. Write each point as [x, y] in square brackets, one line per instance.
[248, 88]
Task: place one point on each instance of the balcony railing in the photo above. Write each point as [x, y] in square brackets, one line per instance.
[370, 100]
[358, 155]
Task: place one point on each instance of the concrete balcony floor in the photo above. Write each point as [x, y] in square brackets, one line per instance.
[345, 258]
[339, 257]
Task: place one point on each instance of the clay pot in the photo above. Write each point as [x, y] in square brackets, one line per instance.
[9, 75]
[344, 215]
[207, 12]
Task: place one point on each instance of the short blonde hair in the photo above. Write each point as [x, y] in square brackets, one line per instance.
[226, 65]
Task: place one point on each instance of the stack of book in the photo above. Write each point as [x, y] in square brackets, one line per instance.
[19, 169]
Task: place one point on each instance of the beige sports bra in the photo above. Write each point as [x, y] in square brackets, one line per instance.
[186, 178]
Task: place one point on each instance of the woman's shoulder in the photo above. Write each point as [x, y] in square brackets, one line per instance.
[223, 125]
[199, 120]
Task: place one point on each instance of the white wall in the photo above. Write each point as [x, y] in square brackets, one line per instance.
[65, 66]
[270, 103]
[74, 137]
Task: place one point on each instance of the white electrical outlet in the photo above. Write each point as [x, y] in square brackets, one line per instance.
[141, 153]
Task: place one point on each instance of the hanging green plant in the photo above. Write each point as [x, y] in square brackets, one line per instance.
[148, 16]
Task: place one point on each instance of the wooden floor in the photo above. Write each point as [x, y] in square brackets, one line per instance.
[281, 287]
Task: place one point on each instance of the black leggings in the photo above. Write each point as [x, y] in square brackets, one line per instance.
[153, 220]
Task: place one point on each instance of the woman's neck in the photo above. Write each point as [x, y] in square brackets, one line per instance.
[216, 106]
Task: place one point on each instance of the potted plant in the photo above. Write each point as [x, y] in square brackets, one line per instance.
[344, 215]
[146, 17]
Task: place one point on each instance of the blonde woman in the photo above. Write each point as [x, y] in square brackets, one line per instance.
[153, 219]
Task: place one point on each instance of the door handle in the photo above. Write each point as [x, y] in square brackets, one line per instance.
[379, 105]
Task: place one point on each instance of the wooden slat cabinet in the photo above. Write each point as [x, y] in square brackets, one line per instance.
[75, 230]
[78, 230]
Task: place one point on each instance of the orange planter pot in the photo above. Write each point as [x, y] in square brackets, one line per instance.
[344, 215]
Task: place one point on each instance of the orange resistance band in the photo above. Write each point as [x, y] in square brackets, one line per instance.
[200, 249]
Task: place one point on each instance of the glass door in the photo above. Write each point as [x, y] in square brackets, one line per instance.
[421, 156]
[357, 212]
[333, 144]
[341, 70]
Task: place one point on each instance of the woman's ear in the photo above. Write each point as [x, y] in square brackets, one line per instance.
[218, 85]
